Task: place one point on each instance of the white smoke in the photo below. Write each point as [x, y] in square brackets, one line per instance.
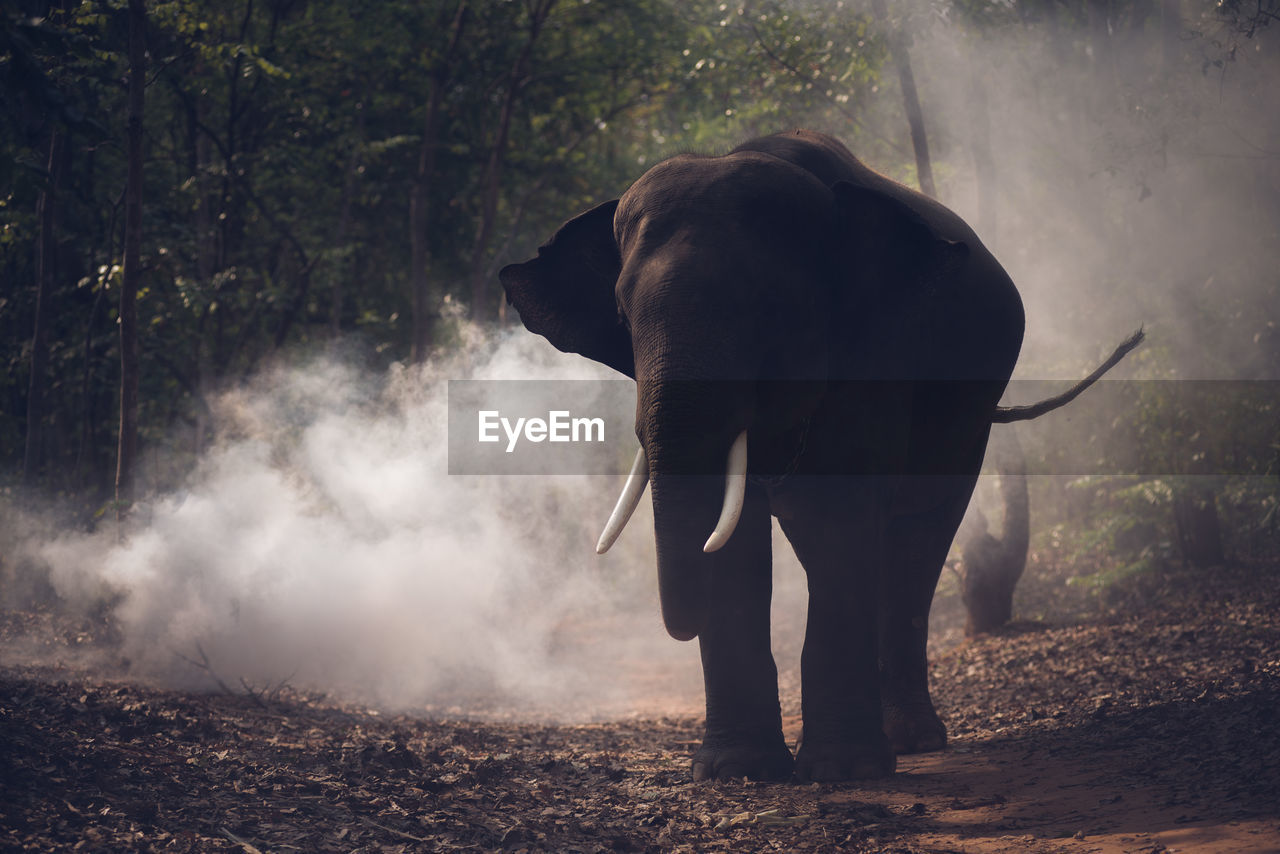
[323, 542]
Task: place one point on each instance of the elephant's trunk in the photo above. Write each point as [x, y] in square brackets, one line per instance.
[695, 398]
[684, 507]
[690, 501]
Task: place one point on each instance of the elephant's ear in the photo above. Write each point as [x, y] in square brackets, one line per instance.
[566, 293]
[891, 245]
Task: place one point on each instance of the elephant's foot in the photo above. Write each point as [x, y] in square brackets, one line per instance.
[722, 759]
[835, 761]
[913, 726]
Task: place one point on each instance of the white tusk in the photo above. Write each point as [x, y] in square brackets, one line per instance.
[627, 502]
[735, 491]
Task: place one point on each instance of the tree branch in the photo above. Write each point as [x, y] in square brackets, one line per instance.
[820, 86]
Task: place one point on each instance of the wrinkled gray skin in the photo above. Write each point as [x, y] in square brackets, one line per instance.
[788, 259]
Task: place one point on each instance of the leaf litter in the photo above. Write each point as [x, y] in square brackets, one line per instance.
[1149, 729]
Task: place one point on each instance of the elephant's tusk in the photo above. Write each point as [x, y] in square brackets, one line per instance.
[627, 502]
[735, 491]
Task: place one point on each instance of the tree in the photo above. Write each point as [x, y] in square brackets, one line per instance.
[424, 287]
[46, 252]
[127, 449]
[910, 99]
[991, 566]
[536, 12]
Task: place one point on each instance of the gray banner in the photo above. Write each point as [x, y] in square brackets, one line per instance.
[1130, 427]
[541, 426]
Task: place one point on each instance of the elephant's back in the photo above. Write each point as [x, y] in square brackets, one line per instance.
[830, 161]
[977, 320]
[825, 157]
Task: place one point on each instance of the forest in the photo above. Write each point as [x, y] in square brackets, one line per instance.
[315, 176]
[246, 244]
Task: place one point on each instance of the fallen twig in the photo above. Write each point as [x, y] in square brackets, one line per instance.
[267, 694]
[203, 664]
[263, 697]
[409, 836]
[245, 844]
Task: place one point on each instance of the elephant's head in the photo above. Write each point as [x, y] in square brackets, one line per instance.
[725, 287]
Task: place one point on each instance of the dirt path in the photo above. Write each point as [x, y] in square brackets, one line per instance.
[1140, 733]
[998, 798]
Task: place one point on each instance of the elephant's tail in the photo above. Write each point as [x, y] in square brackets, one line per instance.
[1009, 414]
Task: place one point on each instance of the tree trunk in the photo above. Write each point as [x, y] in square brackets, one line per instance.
[336, 292]
[86, 446]
[1100, 16]
[984, 164]
[128, 443]
[911, 99]
[296, 307]
[1195, 515]
[425, 291]
[492, 181]
[1170, 35]
[992, 567]
[46, 248]
[206, 246]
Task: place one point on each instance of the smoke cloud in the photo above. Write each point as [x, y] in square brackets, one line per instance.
[1123, 178]
[322, 541]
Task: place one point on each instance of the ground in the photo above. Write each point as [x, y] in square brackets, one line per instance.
[1149, 726]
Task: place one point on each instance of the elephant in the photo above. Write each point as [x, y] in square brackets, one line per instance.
[812, 341]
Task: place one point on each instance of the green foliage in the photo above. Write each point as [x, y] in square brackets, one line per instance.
[1128, 536]
[283, 142]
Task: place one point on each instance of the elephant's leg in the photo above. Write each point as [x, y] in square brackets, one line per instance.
[843, 737]
[744, 724]
[917, 546]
